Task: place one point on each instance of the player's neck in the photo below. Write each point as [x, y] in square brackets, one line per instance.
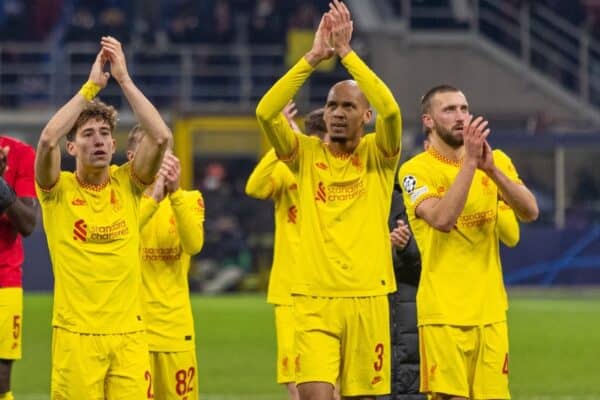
[341, 148]
[94, 177]
[447, 151]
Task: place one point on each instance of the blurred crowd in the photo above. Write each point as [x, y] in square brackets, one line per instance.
[156, 21]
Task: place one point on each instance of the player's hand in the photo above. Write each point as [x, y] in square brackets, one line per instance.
[400, 235]
[3, 159]
[97, 74]
[289, 112]
[113, 51]
[475, 132]
[170, 170]
[158, 190]
[341, 27]
[321, 48]
[486, 163]
[7, 195]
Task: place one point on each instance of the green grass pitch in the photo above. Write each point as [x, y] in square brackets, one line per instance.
[554, 340]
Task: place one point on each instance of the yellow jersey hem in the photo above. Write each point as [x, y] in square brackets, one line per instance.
[443, 321]
[96, 333]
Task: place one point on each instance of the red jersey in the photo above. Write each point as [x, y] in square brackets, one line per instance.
[20, 176]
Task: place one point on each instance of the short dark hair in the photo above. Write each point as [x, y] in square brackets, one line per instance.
[426, 99]
[314, 124]
[95, 110]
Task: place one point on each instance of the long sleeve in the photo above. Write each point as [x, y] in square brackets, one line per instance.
[508, 225]
[262, 183]
[188, 208]
[268, 112]
[148, 207]
[389, 120]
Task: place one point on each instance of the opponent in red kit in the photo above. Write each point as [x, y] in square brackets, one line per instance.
[18, 211]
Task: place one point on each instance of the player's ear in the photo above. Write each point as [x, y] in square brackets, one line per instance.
[71, 148]
[114, 145]
[427, 121]
[367, 116]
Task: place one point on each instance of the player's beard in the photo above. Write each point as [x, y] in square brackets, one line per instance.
[448, 136]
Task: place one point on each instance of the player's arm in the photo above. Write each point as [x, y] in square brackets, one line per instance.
[263, 183]
[389, 121]
[507, 225]
[47, 161]
[515, 194]
[188, 208]
[268, 112]
[149, 205]
[22, 213]
[19, 203]
[148, 156]
[442, 213]
[189, 215]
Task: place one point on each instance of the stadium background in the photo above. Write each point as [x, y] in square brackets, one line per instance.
[531, 67]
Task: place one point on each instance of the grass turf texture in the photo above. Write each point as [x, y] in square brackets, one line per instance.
[553, 336]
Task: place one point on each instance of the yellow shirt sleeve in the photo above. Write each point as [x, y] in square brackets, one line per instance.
[388, 133]
[148, 207]
[505, 164]
[188, 208]
[263, 182]
[268, 111]
[507, 225]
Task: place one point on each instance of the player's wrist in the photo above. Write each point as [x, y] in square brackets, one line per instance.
[313, 58]
[90, 90]
[343, 51]
[125, 80]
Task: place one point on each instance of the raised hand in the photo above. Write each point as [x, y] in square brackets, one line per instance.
[97, 73]
[289, 112]
[321, 48]
[113, 51]
[474, 134]
[341, 27]
[486, 163]
[170, 170]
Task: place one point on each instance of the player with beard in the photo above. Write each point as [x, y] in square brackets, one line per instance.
[451, 193]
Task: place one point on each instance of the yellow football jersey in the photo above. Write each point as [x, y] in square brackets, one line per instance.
[93, 238]
[170, 236]
[271, 178]
[344, 203]
[461, 280]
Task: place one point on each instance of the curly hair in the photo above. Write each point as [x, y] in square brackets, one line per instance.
[95, 110]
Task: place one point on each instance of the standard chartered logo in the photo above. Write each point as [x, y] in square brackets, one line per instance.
[99, 233]
[345, 192]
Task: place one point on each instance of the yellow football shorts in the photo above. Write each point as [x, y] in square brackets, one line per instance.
[175, 375]
[466, 361]
[11, 320]
[286, 355]
[98, 367]
[345, 338]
